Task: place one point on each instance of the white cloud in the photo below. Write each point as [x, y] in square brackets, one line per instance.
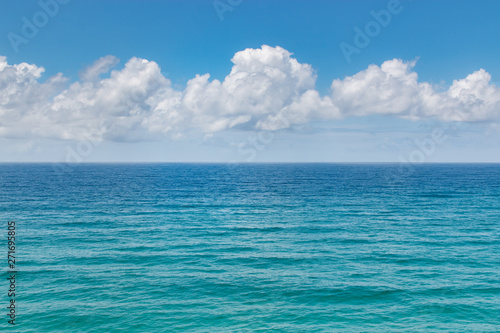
[267, 89]
[116, 108]
[101, 66]
[389, 89]
[473, 98]
[262, 84]
[393, 88]
[23, 99]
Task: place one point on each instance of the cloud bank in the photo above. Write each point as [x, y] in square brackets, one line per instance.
[267, 89]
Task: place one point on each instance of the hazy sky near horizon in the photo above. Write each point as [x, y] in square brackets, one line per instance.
[249, 81]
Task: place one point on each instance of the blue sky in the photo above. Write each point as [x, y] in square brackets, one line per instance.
[441, 41]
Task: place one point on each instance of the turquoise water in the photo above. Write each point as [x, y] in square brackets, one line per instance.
[254, 248]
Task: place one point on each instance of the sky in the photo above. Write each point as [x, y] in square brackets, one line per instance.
[236, 81]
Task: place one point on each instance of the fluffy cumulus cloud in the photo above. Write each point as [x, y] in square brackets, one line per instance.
[393, 89]
[23, 99]
[263, 90]
[267, 89]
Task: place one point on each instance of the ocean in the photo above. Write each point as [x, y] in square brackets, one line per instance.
[252, 247]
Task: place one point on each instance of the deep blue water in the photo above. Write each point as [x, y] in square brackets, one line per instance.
[253, 248]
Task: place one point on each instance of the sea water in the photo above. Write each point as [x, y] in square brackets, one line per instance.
[253, 247]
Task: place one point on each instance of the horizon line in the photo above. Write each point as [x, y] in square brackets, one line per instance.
[240, 163]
